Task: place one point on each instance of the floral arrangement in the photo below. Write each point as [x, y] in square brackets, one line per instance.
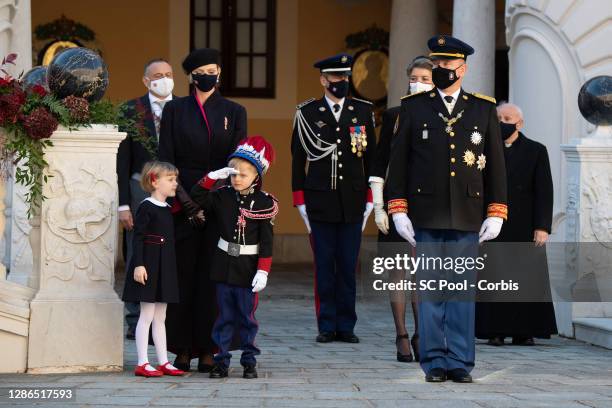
[30, 115]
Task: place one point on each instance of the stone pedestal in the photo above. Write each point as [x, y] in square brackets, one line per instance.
[589, 216]
[76, 321]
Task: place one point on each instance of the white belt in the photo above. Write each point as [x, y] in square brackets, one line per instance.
[136, 176]
[234, 249]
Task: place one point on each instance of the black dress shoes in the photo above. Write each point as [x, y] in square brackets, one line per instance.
[218, 371]
[205, 368]
[436, 375]
[249, 372]
[347, 337]
[522, 341]
[131, 333]
[182, 366]
[459, 375]
[326, 337]
[496, 341]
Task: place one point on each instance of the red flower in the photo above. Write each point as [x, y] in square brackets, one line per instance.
[39, 90]
[40, 124]
[10, 105]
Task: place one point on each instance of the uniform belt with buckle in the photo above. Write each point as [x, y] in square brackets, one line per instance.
[236, 250]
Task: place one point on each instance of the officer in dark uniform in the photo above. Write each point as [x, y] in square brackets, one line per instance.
[333, 148]
[446, 174]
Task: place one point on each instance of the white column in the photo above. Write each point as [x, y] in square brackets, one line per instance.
[76, 319]
[413, 22]
[474, 23]
[16, 244]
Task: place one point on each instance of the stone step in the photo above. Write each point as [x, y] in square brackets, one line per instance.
[594, 330]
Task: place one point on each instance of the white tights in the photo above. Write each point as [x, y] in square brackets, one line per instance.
[152, 314]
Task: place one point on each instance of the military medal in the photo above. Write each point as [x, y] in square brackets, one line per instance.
[358, 140]
[482, 160]
[476, 137]
[450, 122]
[469, 158]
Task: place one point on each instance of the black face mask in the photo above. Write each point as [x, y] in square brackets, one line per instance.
[507, 129]
[338, 89]
[204, 82]
[444, 77]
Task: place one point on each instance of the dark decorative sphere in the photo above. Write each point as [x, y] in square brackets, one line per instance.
[80, 72]
[36, 76]
[595, 100]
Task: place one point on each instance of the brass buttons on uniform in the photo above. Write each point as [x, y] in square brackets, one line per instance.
[452, 159]
[340, 177]
[452, 174]
[478, 193]
[338, 129]
[340, 165]
[418, 190]
[338, 141]
[452, 146]
[339, 153]
[452, 134]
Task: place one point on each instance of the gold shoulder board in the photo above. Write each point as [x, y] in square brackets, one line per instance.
[485, 97]
[409, 95]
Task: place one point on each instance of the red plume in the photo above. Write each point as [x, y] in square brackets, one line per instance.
[259, 143]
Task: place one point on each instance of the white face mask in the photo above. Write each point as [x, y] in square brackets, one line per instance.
[162, 86]
[416, 87]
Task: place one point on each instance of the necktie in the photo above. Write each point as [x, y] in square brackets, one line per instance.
[336, 107]
[448, 99]
[157, 117]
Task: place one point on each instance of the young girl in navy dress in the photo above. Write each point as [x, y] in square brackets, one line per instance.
[243, 257]
[154, 283]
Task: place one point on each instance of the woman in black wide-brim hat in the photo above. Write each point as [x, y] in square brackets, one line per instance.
[197, 134]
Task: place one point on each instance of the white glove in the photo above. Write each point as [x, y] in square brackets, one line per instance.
[259, 281]
[380, 215]
[368, 210]
[222, 173]
[403, 225]
[302, 209]
[490, 229]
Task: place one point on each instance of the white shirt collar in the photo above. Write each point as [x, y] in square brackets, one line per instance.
[331, 106]
[153, 98]
[157, 202]
[455, 94]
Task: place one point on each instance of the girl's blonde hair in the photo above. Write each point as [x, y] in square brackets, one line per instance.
[153, 170]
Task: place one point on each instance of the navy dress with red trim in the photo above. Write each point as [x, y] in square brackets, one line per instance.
[154, 249]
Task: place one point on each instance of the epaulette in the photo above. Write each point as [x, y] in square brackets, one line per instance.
[362, 100]
[409, 95]
[485, 97]
[306, 102]
[270, 195]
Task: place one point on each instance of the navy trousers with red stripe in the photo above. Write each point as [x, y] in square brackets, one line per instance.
[336, 250]
[237, 307]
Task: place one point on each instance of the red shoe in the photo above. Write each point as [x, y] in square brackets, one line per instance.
[143, 372]
[169, 371]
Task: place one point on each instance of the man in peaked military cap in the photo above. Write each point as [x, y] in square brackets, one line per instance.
[333, 147]
[446, 171]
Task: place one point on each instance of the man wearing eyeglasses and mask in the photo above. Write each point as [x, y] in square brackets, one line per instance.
[447, 193]
[135, 150]
[333, 148]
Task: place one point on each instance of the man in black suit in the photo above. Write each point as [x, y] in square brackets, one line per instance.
[333, 149]
[134, 151]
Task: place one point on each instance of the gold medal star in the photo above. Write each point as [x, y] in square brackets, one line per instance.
[482, 160]
[469, 158]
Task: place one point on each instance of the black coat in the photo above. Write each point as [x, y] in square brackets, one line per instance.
[530, 191]
[530, 207]
[313, 178]
[132, 155]
[224, 205]
[154, 249]
[184, 139]
[427, 172]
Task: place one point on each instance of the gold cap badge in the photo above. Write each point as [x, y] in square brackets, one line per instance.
[441, 41]
[343, 59]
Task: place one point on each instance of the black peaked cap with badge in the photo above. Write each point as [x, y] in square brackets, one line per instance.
[338, 64]
[447, 47]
